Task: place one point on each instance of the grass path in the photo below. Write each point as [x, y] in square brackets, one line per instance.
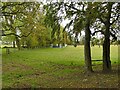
[54, 67]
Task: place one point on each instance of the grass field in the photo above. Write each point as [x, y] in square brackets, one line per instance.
[56, 68]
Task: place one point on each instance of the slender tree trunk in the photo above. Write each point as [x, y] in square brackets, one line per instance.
[63, 40]
[13, 44]
[23, 45]
[18, 43]
[87, 50]
[58, 38]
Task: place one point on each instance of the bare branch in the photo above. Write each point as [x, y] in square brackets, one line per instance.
[115, 20]
[102, 32]
[77, 10]
[113, 35]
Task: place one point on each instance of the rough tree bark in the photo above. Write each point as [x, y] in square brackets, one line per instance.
[106, 51]
[106, 44]
[87, 50]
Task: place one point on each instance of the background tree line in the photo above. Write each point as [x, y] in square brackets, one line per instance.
[23, 24]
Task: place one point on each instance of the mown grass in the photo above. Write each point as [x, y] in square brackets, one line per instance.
[56, 67]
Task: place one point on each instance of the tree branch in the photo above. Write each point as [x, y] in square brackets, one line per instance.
[97, 32]
[5, 6]
[3, 34]
[102, 20]
[28, 33]
[10, 13]
[115, 20]
[113, 35]
[72, 7]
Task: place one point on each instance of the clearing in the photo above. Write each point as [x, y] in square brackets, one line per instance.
[56, 68]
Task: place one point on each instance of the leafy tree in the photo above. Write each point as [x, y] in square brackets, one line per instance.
[108, 15]
[41, 35]
[80, 20]
[52, 20]
[13, 19]
[85, 16]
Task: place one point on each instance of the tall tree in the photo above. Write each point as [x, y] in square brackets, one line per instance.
[90, 17]
[80, 20]
[52, 20]
[108, 15]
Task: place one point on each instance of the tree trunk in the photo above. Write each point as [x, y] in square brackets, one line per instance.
[87, 50]
[106, 51]
[63, 40]
[13, 44]
[106, 45]
[18, 43]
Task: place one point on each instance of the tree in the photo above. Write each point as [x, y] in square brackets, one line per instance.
[109, 17]
[13, 18]
[52, 21]
[86, 16]
[87, 39]
[80, 19]
[40, 36]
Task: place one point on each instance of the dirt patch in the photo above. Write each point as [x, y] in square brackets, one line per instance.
[14, 66]
[45, 77]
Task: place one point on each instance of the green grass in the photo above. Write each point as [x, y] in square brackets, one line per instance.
[55, 67]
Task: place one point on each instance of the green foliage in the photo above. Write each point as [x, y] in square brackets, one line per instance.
[8, 38]
[26, 18]
[95, 41]
[17, 16]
